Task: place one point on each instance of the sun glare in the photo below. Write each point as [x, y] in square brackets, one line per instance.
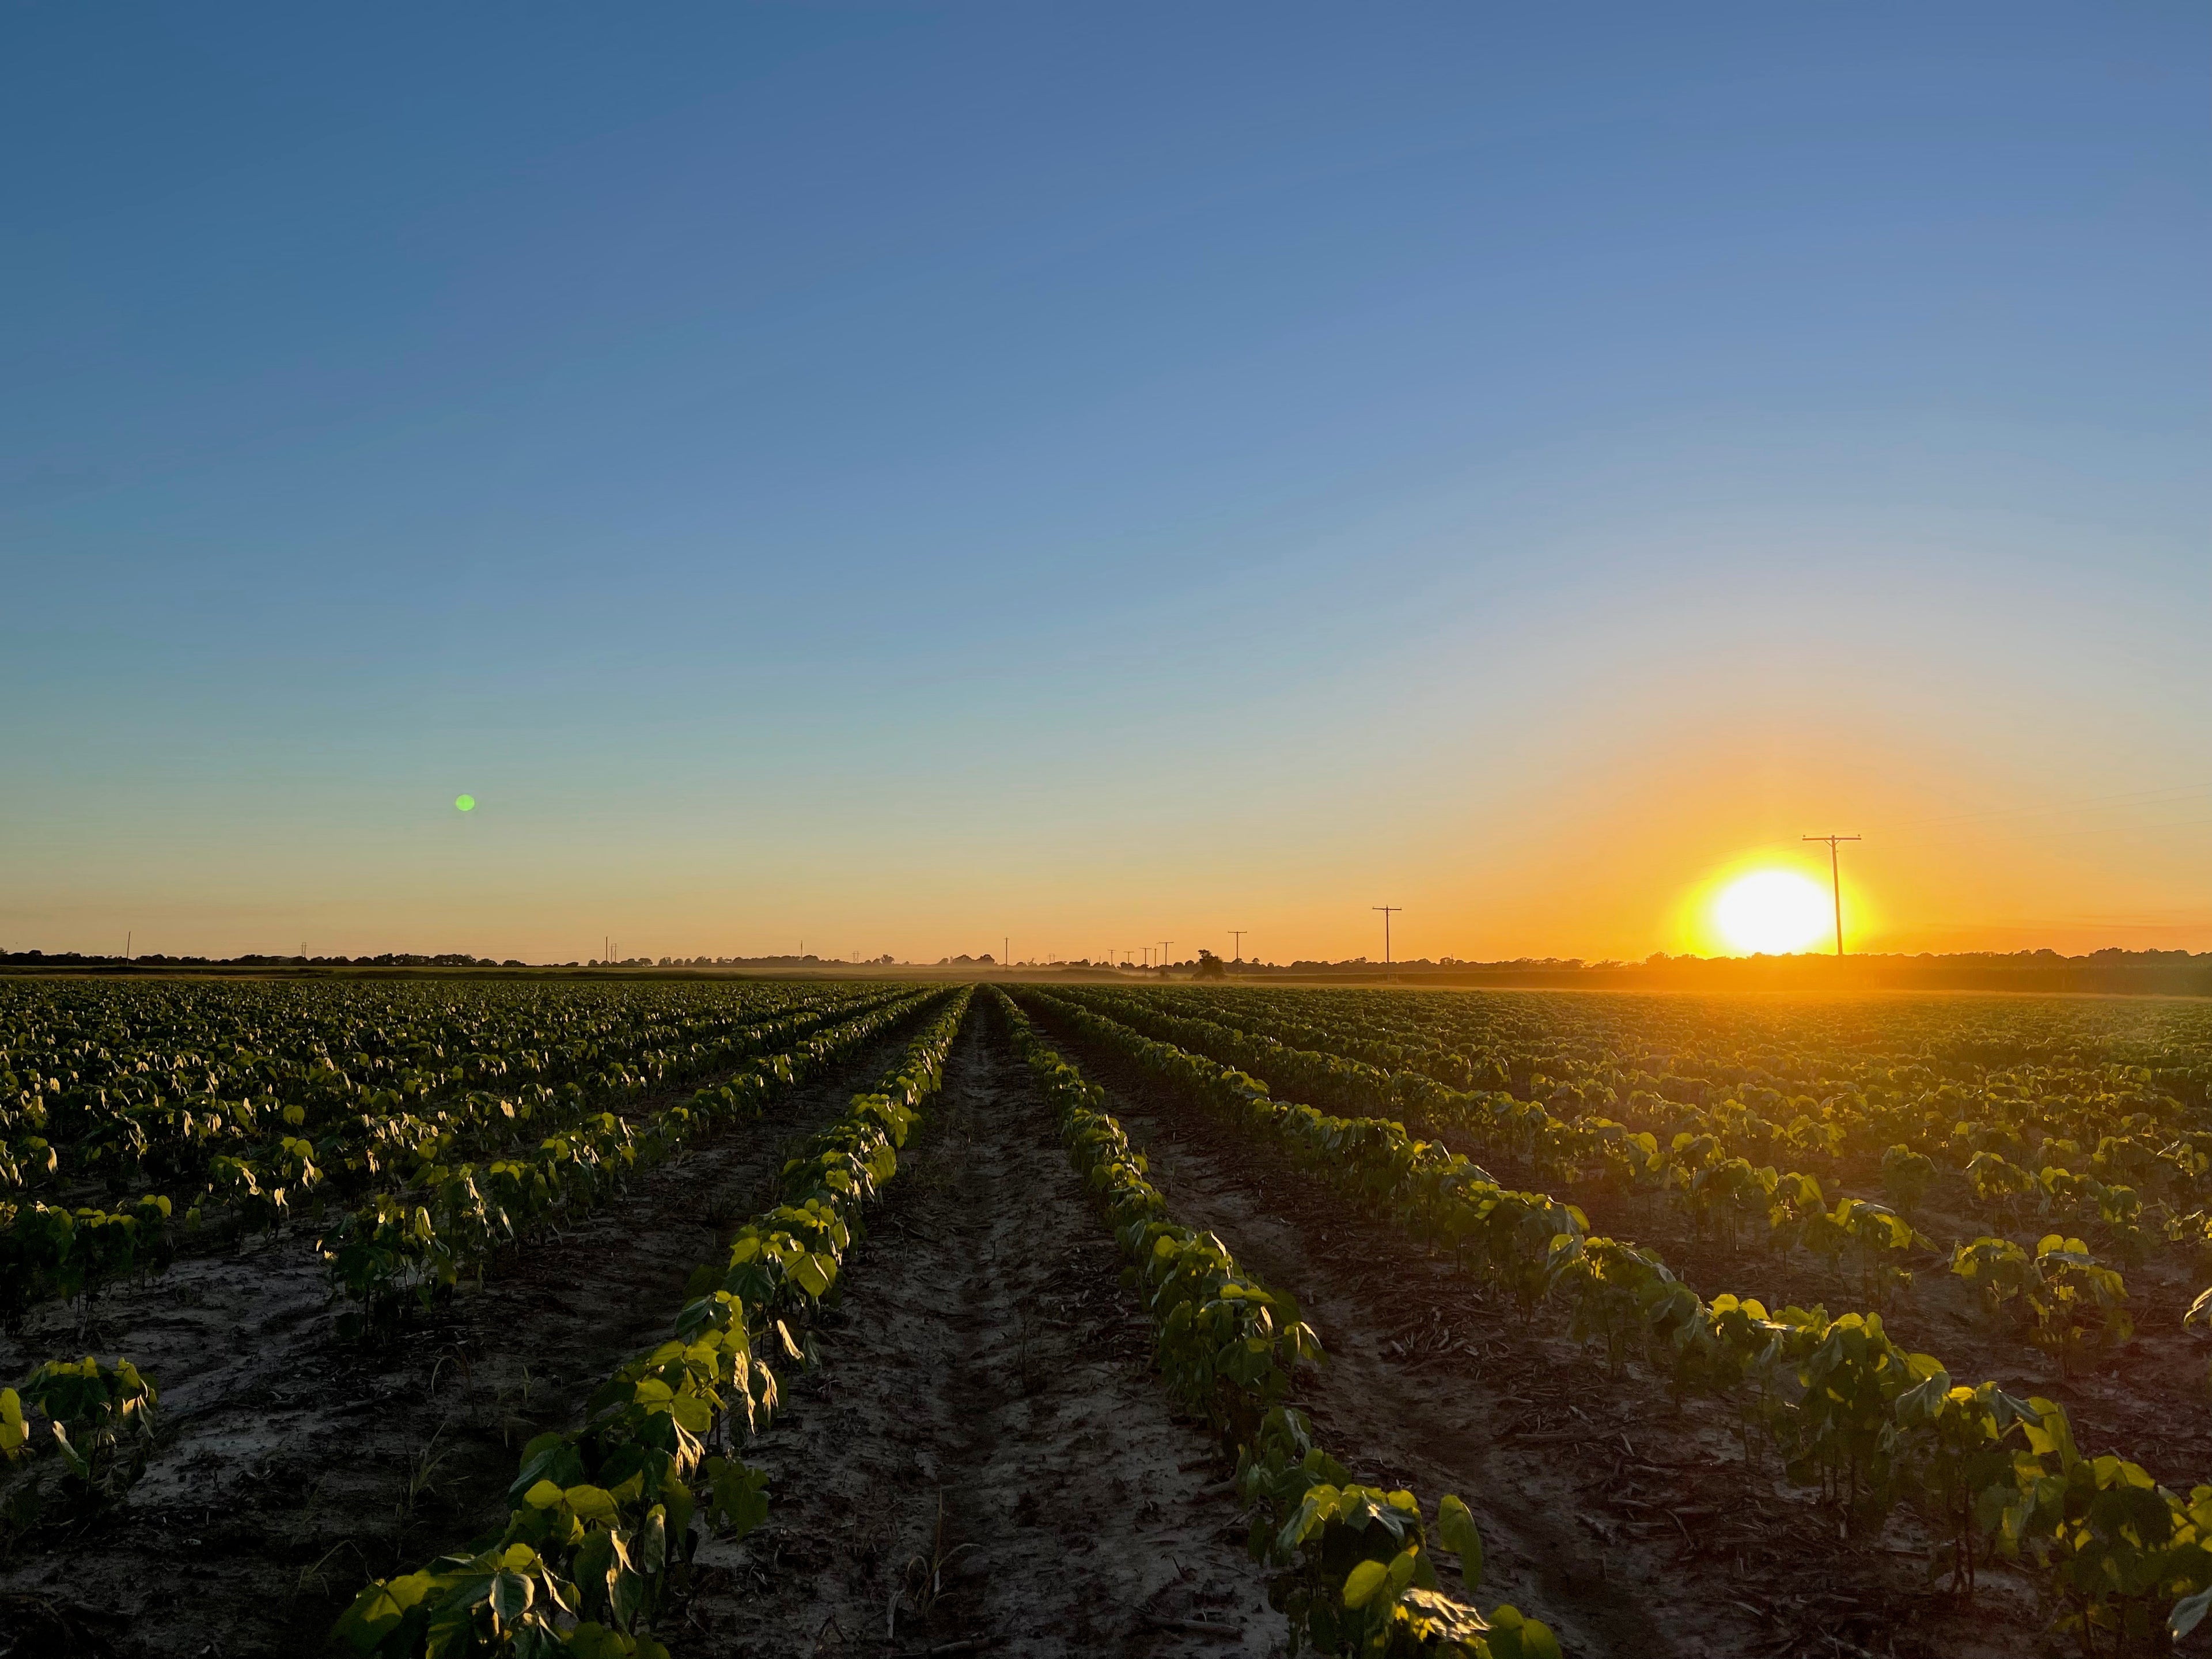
[1772, 911]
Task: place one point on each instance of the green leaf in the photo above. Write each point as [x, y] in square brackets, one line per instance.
[593, 1640]
[627, 1597]
[378, 1610]
[1456, 1526]
[1514, 1637]
[590, 1503]
[77, 1466]
[2188, 1614]
[739, 1499]
[511, 1595]
[811, 1274]
[1364, 1581]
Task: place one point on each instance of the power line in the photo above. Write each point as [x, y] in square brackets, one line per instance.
[1835, 876]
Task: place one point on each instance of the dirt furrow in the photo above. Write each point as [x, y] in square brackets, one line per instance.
[986, 1453]
[293, 1467]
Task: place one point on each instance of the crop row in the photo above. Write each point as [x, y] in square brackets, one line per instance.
[604, 1517]
[407, 1247]
[1891, 1049]
[2014, 1118]
[247, 1127]
[2077, 1301]
[137, 1086]
[1847, 1410]
[343, 1145]
[1352, 1564]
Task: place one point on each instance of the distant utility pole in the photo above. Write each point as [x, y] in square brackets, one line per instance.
[1238, 933]
[1388, 910]
[1166, 946]
[127, 936]
[1836, 880]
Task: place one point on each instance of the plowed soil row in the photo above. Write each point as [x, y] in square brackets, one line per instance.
[1633, 1526]
[293, 1466]
[985, 1458]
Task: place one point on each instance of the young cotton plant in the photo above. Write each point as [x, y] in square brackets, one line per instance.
[47, 1251]
[1227, 1344]
[101, 1421]
[2129, 1562]
[1963, 1453]
[1354, 1571]
[2072, 1303]
[596, 1517]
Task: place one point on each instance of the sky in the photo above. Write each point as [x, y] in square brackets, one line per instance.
[898, 478]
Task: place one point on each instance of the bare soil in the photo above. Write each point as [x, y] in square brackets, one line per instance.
[985, 1455]
[293, 1467]
[1633, 1526]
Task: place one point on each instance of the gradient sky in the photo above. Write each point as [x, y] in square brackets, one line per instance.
[900, 476]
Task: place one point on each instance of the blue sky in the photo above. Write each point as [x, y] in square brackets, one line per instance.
[921, 474]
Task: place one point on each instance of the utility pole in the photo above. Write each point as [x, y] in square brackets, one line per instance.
[1388, 910]
[127, 936]
[1238, 933]
[1166, 945]
[1006, 951]
[1836, 880]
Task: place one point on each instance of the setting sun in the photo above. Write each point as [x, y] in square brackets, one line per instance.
[1772, 911]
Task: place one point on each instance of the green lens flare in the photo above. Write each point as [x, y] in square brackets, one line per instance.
[466, 802]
